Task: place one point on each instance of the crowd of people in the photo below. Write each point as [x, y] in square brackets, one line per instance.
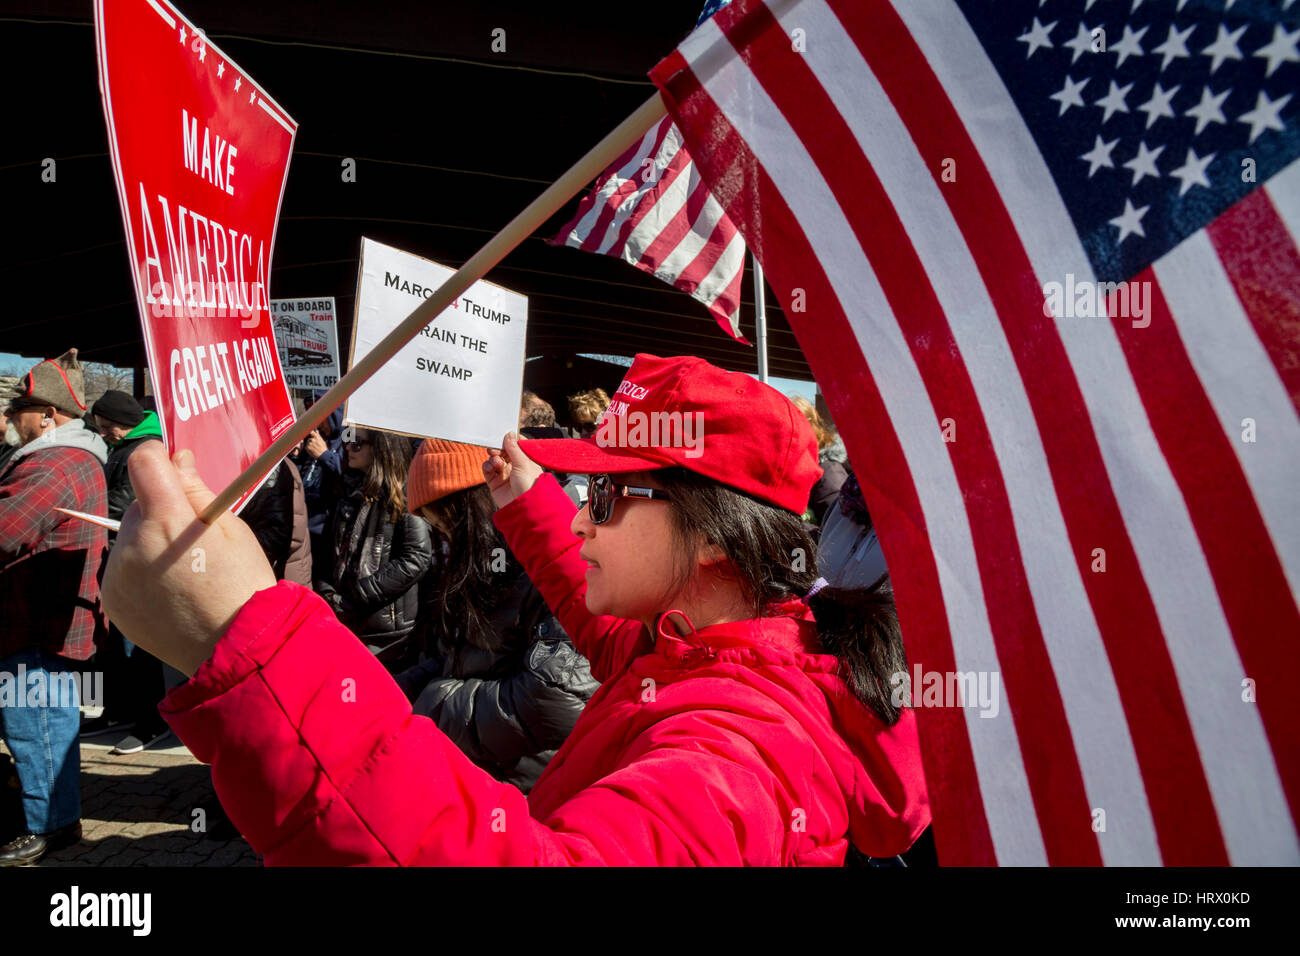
[403, 541]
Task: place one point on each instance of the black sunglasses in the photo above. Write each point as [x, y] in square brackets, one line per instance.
[356, 444]
[602, 492]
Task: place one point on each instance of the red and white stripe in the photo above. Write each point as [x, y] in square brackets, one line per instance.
[652, 209]
[1123, 688]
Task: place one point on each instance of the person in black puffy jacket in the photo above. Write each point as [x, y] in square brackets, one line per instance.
[498, 674]
[379, 551]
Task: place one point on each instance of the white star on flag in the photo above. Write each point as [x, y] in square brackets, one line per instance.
[1113, 101]
[1281, 49]
[1082, 42]
[1144, 163]
[1099, 155]
[1192, 172]
[1069, 94]
[1037, 36]
[1209, 110]
[1175, 45]
[1265, 115]
[1158, 105]
[1129, 45]
[1224, 47]
[1129, 222]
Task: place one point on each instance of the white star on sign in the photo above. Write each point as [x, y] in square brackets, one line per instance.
[238, 80]
[1224, 47]
[1209, 110]
[1113, 101]
[1069, 94]
[1144, 163]
[1175, 45]
[252, 95]
[1082, 42]
[221, 68]
[1158, 105]
[1281, 49]
[1192, 172]
[1264, 115]
[1129, 222]
[203, 50]
[1036, 36]
[1128, 45]
[182, 33]
[1099, 156]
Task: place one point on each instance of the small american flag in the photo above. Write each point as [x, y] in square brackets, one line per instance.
[653, 210]
[1095, 504]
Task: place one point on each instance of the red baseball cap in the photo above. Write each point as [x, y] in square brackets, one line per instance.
[685, 412]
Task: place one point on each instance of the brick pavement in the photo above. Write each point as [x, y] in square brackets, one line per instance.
[139, 810]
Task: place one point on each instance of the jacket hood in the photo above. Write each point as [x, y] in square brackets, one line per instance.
[149, 427]
[73, 434]
[335, 418]
[876, 768]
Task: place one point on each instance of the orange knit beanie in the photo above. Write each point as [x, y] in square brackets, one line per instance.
[440, 468]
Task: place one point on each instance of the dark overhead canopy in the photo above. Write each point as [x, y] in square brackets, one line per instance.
[450, 141]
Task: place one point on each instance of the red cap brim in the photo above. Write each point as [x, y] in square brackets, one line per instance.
[586, 456]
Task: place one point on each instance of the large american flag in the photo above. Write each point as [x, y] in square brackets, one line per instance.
[652, 209]
[1100, 511]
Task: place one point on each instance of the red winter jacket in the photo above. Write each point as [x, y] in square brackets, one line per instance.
[738, 745]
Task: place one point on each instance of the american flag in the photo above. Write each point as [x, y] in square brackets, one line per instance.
[1101, 511]
[653, 210]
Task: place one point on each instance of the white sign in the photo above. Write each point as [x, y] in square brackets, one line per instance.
[461, 377]
[307, 338]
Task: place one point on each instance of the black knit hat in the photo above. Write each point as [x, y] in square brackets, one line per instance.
[119, 407]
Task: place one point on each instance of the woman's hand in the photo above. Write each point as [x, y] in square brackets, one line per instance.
[509, 472]
[173, 584]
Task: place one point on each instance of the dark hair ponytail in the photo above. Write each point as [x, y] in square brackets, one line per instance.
[468, 582]
[861, 629]
[773, 558]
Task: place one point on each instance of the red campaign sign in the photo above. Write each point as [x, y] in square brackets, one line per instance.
[200, 154]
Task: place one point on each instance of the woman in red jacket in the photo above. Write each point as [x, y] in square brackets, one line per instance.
[726, 730]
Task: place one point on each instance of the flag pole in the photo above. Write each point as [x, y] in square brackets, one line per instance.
[760, 318]
[596, 161]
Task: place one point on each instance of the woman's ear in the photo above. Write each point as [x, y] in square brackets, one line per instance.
[708, 555]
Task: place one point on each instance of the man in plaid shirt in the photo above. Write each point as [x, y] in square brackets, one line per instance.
[50, 566]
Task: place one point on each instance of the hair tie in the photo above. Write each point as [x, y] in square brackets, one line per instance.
[817, 586]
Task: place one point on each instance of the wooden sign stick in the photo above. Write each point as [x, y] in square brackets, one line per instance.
[498, 247]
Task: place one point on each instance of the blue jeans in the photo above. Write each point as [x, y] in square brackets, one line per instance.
[43, 738]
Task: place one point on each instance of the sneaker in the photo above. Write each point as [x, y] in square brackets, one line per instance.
[134, 743]
[27, 849]
[103, 725]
